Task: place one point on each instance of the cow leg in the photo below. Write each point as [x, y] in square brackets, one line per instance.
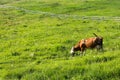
[83, 47]
[83, 51]
[99, 48]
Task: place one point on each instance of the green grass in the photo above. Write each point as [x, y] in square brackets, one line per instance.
[79, 7]
[36, 46]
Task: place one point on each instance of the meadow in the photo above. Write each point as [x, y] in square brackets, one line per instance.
[36, 37]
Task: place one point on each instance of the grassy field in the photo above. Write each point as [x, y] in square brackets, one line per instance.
[36, 37]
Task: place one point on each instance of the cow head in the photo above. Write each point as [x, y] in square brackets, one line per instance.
[72, 51]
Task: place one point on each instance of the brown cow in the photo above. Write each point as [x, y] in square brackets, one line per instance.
[94, 42]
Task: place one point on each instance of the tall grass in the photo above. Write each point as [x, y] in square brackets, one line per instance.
[36, 46]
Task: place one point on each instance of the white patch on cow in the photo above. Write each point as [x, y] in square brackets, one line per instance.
[72, 50]
[83, 41]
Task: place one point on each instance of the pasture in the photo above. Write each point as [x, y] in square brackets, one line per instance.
[36, 37]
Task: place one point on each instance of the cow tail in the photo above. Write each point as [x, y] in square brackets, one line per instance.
[95, 34]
